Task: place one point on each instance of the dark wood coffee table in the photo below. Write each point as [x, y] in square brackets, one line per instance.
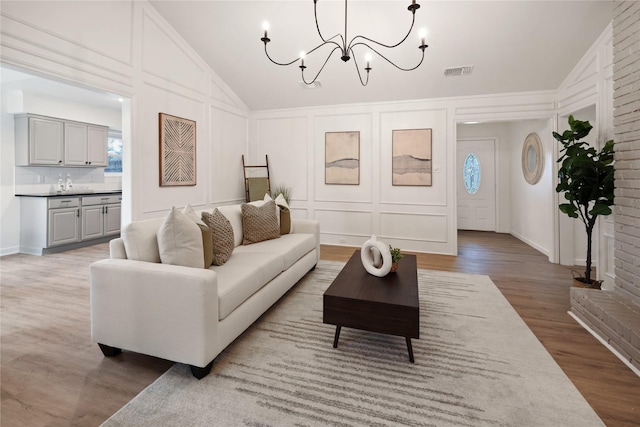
[388, 305]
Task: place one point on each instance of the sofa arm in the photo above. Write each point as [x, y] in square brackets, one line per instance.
[161, 310]
[309, 226]
[116, 249]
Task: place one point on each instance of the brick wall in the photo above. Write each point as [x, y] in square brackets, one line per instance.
[626, 103]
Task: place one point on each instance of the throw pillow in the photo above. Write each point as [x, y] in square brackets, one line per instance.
[207, 244]
[188, 211]
[285, 220]
[259, 223]
[180, 241]
[221, 234]
[286, 226]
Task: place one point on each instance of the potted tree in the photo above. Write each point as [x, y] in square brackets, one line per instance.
[585, 177]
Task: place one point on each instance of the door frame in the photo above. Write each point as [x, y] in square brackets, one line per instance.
[496, 158]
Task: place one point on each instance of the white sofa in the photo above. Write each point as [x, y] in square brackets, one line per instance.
[186, 314]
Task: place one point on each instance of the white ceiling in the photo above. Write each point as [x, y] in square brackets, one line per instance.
[513, 45]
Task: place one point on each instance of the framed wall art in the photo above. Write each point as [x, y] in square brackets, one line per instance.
[342, 158]
[411, 157]
[177, 151]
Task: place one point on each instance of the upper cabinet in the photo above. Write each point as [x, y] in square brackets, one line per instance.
[85, 145]
[44, 140]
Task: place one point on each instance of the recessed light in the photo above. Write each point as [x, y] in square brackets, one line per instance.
[120, 100]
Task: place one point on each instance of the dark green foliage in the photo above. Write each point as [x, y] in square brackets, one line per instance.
[585, 177]
[396, 255]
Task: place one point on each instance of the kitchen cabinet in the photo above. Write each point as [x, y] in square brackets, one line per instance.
[44, 140]
[63, 220]
[39, 140]
[100, 216]
[85, 145]
[52, 222]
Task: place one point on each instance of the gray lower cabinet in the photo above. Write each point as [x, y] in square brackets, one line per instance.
[50, 222]
[63, 226]
[100, 216]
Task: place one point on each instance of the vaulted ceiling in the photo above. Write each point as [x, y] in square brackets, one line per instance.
[513, 46]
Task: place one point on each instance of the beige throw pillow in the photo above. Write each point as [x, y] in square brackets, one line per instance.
[221, 234]
[283, 213]
[286, 226]
[259, 223]
[180, 241]
[207, 244]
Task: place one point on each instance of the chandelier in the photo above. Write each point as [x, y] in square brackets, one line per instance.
[346, 49]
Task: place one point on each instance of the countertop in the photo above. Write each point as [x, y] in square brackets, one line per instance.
[79, 194]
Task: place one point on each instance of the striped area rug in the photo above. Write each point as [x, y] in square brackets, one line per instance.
[476, 364]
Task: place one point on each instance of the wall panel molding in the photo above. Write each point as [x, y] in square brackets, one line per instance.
[160, 40]
[413, 227]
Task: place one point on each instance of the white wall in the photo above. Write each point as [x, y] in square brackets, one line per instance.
[127, 48]
[413, 218]
[532, 206]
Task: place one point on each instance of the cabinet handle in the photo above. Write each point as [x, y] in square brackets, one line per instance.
[78, 213]
[59, 161]
[106, 209]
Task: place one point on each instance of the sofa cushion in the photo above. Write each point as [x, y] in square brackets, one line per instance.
[140, 240]
[221, 234]
[242, 276]
[291, 247]
[180, 241]
[259, 223]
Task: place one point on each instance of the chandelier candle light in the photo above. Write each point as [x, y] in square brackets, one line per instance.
[347, 48]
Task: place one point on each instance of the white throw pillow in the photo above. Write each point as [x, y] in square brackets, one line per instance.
[180, 241]
[188, 211]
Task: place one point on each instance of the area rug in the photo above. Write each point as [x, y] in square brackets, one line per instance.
[476, 364]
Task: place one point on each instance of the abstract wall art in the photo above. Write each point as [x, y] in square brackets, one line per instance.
[342, 158]
[411, 151]
[177, 151]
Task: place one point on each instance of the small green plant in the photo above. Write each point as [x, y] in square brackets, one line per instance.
[396, 255]
[286, 192]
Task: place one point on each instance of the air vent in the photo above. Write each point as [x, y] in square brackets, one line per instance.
[314, 85]
[458, 71]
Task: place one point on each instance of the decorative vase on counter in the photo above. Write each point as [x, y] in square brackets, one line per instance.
[376, 257]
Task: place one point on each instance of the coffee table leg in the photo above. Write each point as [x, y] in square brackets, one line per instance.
[410, 348]
[337, 337]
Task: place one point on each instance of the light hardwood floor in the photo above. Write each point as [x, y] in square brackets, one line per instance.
[53, 375]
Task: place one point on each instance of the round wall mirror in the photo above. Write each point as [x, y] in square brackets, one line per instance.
[532, 158]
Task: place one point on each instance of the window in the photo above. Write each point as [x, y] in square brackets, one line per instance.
[114, 151]
[471, 172]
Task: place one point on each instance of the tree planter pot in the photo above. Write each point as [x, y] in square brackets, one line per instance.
[579, 283]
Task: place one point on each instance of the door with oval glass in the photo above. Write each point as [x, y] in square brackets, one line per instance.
[476, 178]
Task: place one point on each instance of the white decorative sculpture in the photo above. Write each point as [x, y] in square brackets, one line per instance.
[376, 257]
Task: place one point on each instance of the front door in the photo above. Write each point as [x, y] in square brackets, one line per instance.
[476, 185]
